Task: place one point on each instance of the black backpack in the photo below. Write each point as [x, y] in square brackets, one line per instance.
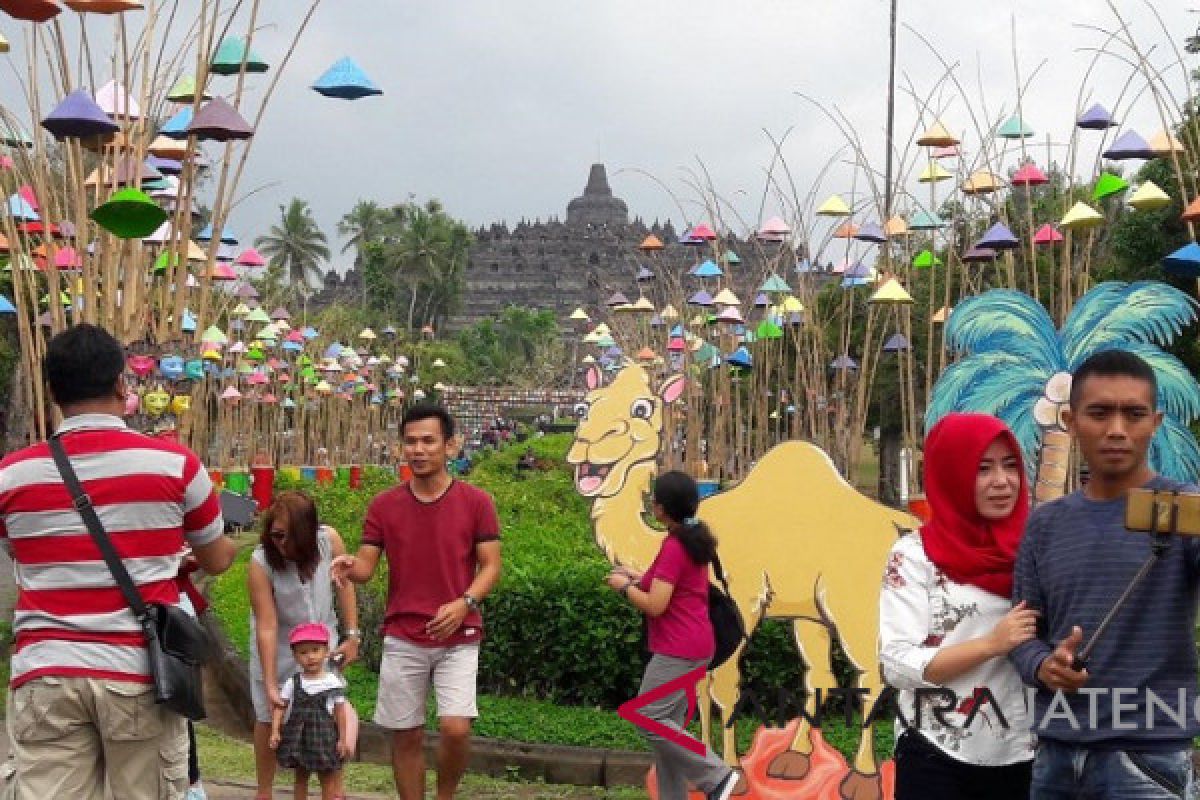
[728, 629]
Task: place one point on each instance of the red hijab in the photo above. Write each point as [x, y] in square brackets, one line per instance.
[966, 547]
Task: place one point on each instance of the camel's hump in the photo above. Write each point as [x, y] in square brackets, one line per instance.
[794, 473]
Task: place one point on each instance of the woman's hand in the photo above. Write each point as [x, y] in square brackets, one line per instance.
[275, 698]
[1017, 627]
[348, 650]
[273, 742]
[618, 580]
[634, 575]
[344, 749]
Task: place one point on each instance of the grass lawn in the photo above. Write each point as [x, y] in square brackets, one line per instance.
[228, 759]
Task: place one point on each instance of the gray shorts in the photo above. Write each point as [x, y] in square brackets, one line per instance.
[406, 672]
[258, 699]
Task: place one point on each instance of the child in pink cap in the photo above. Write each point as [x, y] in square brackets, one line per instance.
[311, 733]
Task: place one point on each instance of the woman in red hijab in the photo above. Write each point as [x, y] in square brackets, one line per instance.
[947, 621]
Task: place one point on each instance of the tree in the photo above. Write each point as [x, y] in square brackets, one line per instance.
[296, 244]
[362, 225]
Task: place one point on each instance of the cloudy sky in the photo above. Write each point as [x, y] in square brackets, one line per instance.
[498, 107]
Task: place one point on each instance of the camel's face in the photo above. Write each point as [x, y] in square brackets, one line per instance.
[620, 426]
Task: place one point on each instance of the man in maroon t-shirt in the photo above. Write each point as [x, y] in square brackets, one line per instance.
[442, 542]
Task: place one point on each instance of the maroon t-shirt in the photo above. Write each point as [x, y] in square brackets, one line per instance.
[430, 549]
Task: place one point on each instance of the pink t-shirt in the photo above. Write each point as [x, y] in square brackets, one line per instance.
[683, 630]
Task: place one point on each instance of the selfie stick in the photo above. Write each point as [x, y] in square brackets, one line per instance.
[1162, 541]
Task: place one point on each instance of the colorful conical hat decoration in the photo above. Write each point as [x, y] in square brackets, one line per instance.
[644, 274]
[1149, 197]
[222, 272]
[104, 6]
[79, 117]
[703, 231]
[616, 299]
[926, 259]
[982, 182]
[1185, 261]
[643, 304]
[926, 221]
[791, 305]
[1164, 143]
[726, 298]
[651, 242]
[896, 343]
[347, 81]
[846, 231]
[579, 315]
[896, 226]
[31, 10]
[1014, 128]
[4, 45]
[6, 306]
[258, 315]
[250, 258]
[891, 293]
[843, 362]
[116, 102]
[978, 255]
[1107, 185]
[184, 91]
[1192, 212]
[999, 237]
[1047, 234]
[128, 172]
[731, 315]
[1029, 175]
[232, 54]
[1129, 145]
[774, 283]
[835, 206]
[870, 232]
[700, 298]
[668, 312]
[941, 315]
[937, 136]
[166, 147]
[1081, 217]
[708, 269]
[774, 229]
[213, 335]
[934, 173]
[218, 121]
[1096, 118]
[177, 126]
[950, 151]
[20, 209]
[129, 214]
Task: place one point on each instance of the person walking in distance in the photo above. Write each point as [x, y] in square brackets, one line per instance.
[82, 716]
[1121, 726]
[442, 542]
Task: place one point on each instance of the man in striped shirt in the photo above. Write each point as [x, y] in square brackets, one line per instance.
[82, 713]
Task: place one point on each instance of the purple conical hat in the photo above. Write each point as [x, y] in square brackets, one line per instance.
[78, 117]
[999, 237]
[1096, 118]
[871, 232]
[978, 254]
[1129, 144]
[219, 121]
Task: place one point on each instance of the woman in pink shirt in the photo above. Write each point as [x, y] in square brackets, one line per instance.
[673, 594]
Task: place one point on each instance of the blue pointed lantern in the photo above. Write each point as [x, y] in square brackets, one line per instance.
[20, 209]
[6, 306]
[347, 81]
[177, 126]
[708, 269]
[1184, 262]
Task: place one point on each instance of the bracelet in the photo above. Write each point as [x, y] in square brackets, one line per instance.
[625, 588]
[354, 633]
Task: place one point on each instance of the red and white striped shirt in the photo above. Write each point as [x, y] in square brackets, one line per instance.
[150, 495]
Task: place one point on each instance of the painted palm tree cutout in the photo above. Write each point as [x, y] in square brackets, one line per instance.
[1016, 366]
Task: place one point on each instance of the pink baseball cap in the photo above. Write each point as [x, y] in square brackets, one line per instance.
[309, 632]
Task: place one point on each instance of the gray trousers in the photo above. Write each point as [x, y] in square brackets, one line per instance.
[676, 766]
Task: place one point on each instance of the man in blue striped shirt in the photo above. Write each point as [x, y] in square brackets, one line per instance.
[1121, 727]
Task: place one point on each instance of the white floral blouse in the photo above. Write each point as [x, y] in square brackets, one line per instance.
[920, 610]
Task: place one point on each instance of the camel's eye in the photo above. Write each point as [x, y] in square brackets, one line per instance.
[581, 410]
[642, 408]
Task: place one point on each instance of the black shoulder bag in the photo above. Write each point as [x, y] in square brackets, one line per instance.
[176, 644]
[728, 629]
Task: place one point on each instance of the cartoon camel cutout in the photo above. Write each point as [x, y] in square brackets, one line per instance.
[797, 543]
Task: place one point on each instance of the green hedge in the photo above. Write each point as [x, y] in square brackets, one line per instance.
[554, 630]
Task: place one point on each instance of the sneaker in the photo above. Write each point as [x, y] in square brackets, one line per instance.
[724, 788]
[195, 792]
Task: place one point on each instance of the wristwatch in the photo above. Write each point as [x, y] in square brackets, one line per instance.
[352, 633]
[470, 600]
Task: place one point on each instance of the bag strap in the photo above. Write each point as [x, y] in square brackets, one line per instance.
[83, 504]
[719, 571]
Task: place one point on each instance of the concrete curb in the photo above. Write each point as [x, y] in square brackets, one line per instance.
[231, 712]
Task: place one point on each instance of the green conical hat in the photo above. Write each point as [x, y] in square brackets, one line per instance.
[926, 259]
[232, 53]
[129, 214]
[184, 90]
[774, 284]
[1107, 185]
[768, 330]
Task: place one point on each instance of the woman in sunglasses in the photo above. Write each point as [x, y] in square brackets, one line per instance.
[290, 585]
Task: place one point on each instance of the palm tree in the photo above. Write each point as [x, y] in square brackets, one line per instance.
[296, 244]
[1017, 367]
[362, 225]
